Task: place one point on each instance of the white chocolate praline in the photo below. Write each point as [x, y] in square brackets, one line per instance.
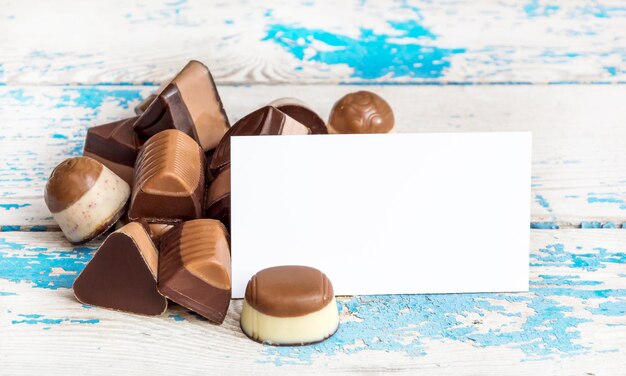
[96, 210]
[299, 330]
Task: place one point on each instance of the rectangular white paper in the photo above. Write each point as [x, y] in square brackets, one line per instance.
[385, 214]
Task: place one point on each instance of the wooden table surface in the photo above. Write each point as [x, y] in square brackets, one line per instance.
[557, 69]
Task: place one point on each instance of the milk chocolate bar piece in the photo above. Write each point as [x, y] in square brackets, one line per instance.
[300, 111]
[115, 145]
[264, 121]
[189, 103]
[194, 268]
[122, 275]
[169, 180]
[289, 305]
[85, 198]
[218, 198]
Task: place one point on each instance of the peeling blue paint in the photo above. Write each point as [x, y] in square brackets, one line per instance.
[601, 11]
[617, 308]
[371, 55]
[544, 226]
[563, 280]
[94, 97]
[543, 202]
[534, 9]
[35, 319]
[606, 198]
[402, 323]
[555, 255]
[7, 293]
[7, 228]
[13, 206]
[35, 265]
[18, 96]
[176, 317]
[596, 224]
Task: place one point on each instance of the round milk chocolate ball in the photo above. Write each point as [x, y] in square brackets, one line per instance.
[85, 198]
[361, 112]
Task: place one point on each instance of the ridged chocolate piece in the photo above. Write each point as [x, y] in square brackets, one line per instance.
[361, 112]
[195, 268]
[122, 275]
[302, 113]
[218, 199]
[115, 145]
[289, 291]
[264, 121]
[169, 182]
[189, 103]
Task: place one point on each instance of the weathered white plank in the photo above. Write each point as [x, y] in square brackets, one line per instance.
[317, 41]
[579, 173]
[571, 322]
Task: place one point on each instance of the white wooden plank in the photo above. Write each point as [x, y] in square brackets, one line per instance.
[579, 173]
[317, 41]
[571, 322]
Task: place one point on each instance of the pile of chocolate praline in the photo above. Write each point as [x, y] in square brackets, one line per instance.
[162, 180]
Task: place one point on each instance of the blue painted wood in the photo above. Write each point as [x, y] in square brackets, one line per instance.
[574, 288]
[578, 288]
[394, 42]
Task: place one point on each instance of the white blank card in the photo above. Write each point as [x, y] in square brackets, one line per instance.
[385, 214]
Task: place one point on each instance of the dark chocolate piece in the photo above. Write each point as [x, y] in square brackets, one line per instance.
[361, 112]
[218, 198]
[264, 121]
[189, 103]
[116, 146]
[143, 106]
[298, 110]
[195, 269]
[123, 274]
[169, 180]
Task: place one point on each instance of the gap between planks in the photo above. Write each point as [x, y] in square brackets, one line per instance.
[578, 136]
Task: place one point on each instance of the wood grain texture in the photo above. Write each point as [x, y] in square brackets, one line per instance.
[573, 319]
[571, 322]
[579, 173]
[458, 41]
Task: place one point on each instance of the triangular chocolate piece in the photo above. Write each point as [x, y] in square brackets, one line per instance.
[123, 274]
[190, 103]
